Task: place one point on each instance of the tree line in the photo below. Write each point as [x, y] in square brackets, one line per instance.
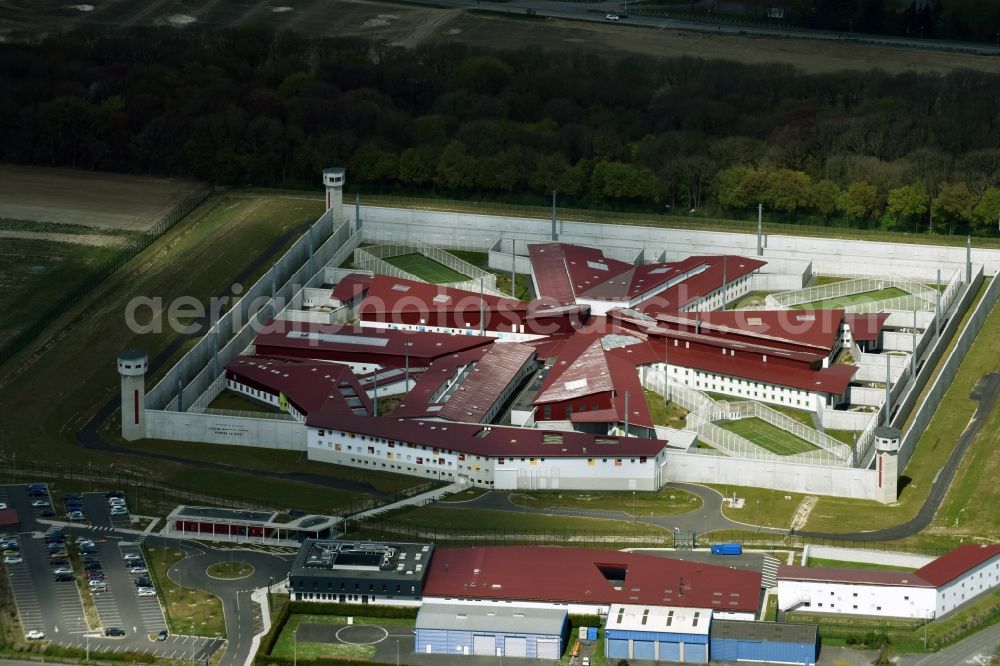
[248, 107]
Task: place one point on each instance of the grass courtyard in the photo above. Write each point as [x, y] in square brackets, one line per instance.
[188, 611]
[287, 647]
[666, 502]
[852, 299]
[770, 437]
[670, 414]
[425, 268]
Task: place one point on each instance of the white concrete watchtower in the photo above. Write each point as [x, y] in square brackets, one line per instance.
[887, 463]
[333, 180]
[132, 367]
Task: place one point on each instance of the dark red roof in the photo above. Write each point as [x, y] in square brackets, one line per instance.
[314, 387]
[574, 575]
[860, 576]
[548, 268]
[351, 287]
[489, 371]
[8, 517]
[674, 298]
[801, 329]
[335, 342]
[954, 563]
[484, 440]
[391, 294]
[866, 327]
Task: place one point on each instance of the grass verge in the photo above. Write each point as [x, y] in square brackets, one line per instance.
[188, 612]
[838, 564]
[287, 647]
[425, 268]
[667, 502]
[670, 414]
[767, 508]
[770, 437]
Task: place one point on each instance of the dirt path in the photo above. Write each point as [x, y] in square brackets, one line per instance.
[424, 31]
[94, 240]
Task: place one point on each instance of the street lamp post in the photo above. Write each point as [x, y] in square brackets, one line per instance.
[633, 506]
[397, 652]
[295, 646]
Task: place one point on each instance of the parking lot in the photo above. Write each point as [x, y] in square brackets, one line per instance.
[98, 512]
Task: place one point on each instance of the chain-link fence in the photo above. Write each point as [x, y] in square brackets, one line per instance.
[73, 296]
[919, 296]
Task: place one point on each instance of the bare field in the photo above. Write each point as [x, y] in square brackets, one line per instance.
[88, 198]
[409, 25]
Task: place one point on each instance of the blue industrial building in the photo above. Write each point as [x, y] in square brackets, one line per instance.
[507, 631]
[658, 633]
[772, 642]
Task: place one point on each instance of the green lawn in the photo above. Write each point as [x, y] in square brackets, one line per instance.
[852, 299]
[838, 564]
[36, 273]
[819, 280]
[461, 519]
[425, 268]
[525, 289]
[770, 437]
[767, 508]
[974, 487]
[752, 299]
[238, 402]
[671, 414]
[288, 648]
[188, 611]
[666, 502]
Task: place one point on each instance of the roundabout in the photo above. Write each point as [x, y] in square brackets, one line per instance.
[230, 570]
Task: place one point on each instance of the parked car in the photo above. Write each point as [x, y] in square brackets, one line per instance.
[114, 631]
[146, 592]
[88, 550]
[119, 511]
[97, 583]
[75, 515]
[612, 17]
[63, 577]
[143, 581]
[3, 505]
[47, 513]
[34, 635]
[116, 501]
[62, 570]
[162, 636]
[39, 503]
[135, 571]
[10, 545]
[12, 559]
[37, 488]
[131, 556]
[55, 536]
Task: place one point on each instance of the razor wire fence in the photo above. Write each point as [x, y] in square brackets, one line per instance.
[74, 296]
[750, 409]
[376, 255]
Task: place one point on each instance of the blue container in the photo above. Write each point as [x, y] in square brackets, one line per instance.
[591, 633]
[727, 549]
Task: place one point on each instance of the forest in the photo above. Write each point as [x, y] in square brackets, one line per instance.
[911, 152]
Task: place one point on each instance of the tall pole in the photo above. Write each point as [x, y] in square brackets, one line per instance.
[357, 211]
[760, 230]
[888, 396]
[724, 281]
[913, 345]
[375, 400]
[968, 260]
[555, 234]
[482, 314]
[513, 275]
[626, 414]
[937, 311]
[295, 647]
[406, 360]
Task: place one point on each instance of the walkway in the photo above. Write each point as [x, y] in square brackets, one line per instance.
[417, 500]
[707, 518]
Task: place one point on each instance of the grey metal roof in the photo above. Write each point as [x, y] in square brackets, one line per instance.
[362, 559]
[500, 619]
[764, 631]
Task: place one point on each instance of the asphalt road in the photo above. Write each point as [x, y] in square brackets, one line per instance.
[985, 393]
[241, 613]
[597, 12]
[89, 437]
[707, 518]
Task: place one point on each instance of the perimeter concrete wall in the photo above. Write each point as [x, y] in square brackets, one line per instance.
[829, 255]
[215, 429]
[772, 474]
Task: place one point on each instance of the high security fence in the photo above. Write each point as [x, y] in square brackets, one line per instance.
[372, 258]
[101, 273]
[197, 369]
[920, 297]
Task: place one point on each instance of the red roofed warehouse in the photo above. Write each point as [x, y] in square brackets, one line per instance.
[931, 591]
[588, 581]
